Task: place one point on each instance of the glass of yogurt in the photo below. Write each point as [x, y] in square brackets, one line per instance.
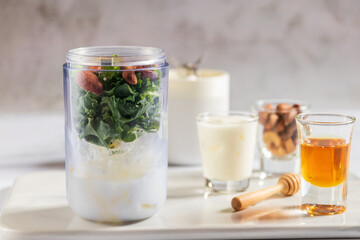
[227, 145]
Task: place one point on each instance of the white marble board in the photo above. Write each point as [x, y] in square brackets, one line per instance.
[36, 208]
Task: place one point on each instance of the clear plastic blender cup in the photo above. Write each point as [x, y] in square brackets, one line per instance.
[116, 131]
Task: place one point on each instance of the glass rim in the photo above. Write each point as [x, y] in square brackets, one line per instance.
[258, 105]
[217, 74]
[252, 117]
[116, 56]
[74, 67]
[349, 119]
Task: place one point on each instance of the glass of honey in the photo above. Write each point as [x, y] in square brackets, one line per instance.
[325, 141]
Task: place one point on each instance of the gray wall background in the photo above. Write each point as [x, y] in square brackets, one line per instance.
[307, 50]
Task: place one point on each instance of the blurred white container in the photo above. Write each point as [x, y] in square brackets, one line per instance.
[188, 96]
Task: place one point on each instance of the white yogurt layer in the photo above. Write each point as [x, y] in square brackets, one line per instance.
[227, 147]
[113, 201]
[126, 183]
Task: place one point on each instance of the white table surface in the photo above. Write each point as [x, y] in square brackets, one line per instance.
[35, 142]
[37, 209]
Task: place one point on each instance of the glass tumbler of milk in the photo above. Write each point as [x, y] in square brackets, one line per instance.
[227, 145]
[190, 95]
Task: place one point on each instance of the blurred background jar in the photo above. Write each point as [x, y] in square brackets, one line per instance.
[277, 134]
[190, 92]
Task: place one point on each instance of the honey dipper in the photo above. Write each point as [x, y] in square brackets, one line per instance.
[288, 184]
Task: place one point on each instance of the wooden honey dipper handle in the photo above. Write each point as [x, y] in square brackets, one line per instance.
[288, 184]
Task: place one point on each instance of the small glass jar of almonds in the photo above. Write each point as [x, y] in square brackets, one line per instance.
[277, 134]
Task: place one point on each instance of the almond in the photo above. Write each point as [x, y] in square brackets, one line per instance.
[269, 106]
[263, 117]
[149, 74]
[280, 126]
[271, 122]
[291, 129]
[147, 66]
[129, 76]
[88, 81]
[283, 107]
[95, 67]
[289, 117]
[298, 107]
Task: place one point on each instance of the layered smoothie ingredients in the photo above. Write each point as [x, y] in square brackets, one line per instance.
[115, 135]
[112, 105]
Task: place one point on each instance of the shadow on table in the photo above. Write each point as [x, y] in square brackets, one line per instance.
[185, 192]
[52, 219]
[260, 214]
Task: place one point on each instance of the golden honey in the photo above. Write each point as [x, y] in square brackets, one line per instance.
[325, 161]
[319, 209]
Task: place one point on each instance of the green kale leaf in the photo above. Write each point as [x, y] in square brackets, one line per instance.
[123, 112]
